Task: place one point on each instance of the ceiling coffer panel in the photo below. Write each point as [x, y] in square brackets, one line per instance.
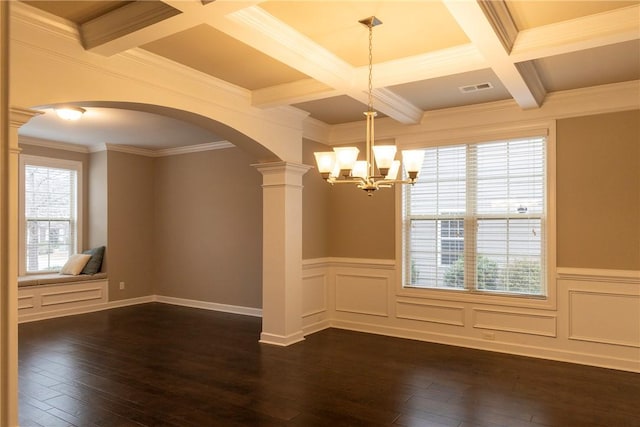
[408, 27]
[213, 52]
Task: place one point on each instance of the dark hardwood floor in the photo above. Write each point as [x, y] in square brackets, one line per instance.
[162, 365]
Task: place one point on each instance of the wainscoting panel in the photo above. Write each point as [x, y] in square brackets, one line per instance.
[515, 321]
[604, 317]
[46, 301]
[70, 296]
[362, 294]
[314, 294]
[596, 320]
[430, 312]
[26, 302]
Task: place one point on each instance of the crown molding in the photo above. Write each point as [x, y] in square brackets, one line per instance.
[218, 145]
[570, 103]
[129, 150]
[166, 152]
[56, 145]
[44, 21]
[558, 105]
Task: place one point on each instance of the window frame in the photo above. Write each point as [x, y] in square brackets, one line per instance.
[477, 136]
[48, 162]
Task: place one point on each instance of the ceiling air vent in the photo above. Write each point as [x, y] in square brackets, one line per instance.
[476, 87]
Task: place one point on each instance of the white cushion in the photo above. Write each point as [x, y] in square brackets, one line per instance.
[75, 264]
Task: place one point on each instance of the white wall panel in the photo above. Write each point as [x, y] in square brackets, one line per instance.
[515, 321]
[430, 312]
[596, 320]
[25, 302]
[314, 294]
[604, 317]
[362, 293]
[70, 296]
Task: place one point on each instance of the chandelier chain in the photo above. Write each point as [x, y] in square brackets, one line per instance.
[371, 66]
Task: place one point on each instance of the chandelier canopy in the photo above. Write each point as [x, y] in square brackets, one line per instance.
[379, 169]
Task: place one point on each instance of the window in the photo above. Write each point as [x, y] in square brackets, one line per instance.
[475, 220]
[49, 203]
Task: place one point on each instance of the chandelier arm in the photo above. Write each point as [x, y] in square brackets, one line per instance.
[346, 181]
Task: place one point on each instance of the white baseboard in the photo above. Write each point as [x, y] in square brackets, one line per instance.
[560, 355]
[226, 308]
[316, 327]
[281, 340]
[247, 311]
[72, 311]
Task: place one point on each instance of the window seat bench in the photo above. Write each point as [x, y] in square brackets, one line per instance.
[56, 278]
[43, 296]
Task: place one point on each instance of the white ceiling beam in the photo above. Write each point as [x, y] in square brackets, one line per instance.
[141, 22]
[458, 59]
[602, 29]
[605, 28]
[480, 27]
[292, 93]
[259, 29]
[107, 29]
[431, 65]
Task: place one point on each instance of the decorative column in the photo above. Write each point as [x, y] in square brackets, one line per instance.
[9, 152]
[8, 325]
[281, 252]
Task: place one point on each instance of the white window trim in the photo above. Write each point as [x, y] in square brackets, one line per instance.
[26, 159]
[470, 136]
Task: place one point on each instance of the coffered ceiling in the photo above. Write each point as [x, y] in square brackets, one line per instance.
[427, 55]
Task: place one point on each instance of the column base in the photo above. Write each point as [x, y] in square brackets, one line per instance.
[282, 341]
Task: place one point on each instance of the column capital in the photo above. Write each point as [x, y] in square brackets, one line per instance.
[277, 167]
[281, 173]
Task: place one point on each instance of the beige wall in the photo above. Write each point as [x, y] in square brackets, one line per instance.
[598, 191]
[170, 228]
[208, 232]
[97, 219]
[130, 225]
[34, 150]
[341, 220]
[598, 200]
[362, 226]
[315, 206]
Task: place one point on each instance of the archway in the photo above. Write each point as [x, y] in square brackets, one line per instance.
[51, 68]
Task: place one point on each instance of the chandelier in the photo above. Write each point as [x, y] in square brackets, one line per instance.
[341, 166]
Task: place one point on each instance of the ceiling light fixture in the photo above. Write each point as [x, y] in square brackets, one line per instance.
[342, 165]
[70, 113]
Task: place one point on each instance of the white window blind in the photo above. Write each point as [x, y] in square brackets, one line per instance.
[475, 218]
[50, 216]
